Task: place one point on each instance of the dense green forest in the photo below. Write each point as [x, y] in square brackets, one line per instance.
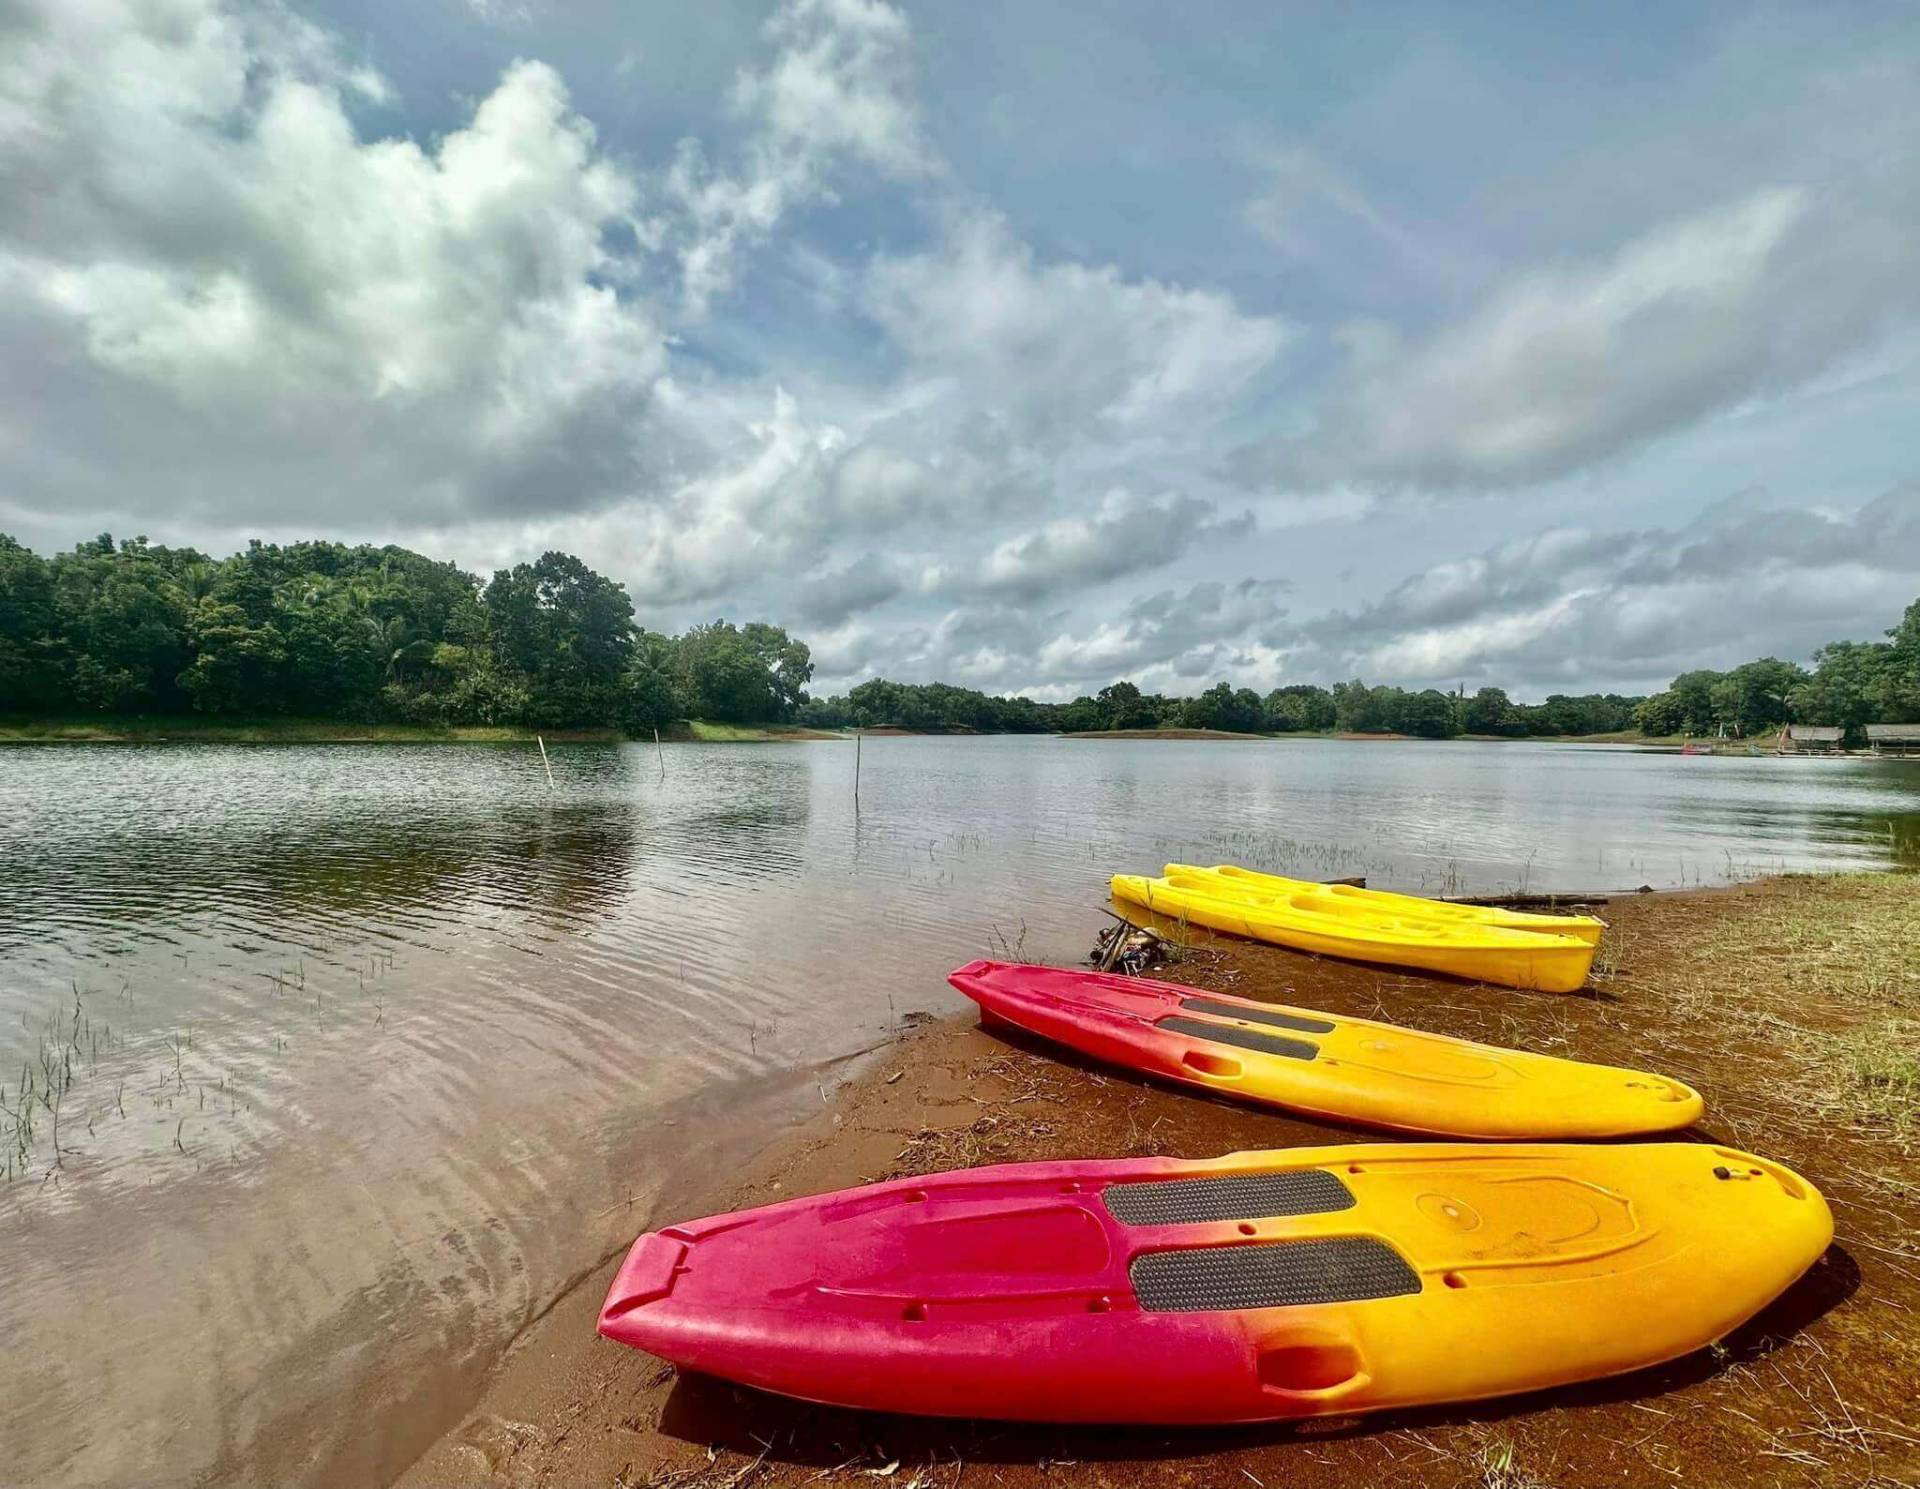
[1852, 683]
[1350, 706]
[323, 630]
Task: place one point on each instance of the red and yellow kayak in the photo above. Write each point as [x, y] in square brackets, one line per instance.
[1326, 1065]
[1241, 1289]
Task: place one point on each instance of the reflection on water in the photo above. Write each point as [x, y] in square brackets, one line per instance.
[359, 1055]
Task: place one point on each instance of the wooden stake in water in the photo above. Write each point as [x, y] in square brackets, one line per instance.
[544, 761]
[856, 770]
[663, 752]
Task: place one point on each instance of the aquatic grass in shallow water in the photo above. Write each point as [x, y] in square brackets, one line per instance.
[1272, 852]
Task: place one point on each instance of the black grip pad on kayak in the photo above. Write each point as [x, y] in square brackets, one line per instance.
[1246, 1039]
[1307, 1191]
[1270, 1016]
[1286, 1274]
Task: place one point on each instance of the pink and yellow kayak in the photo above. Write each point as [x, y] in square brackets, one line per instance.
[1324, 1064]
[1295, 1283]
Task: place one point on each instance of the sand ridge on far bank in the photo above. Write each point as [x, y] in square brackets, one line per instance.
[1776, 1000]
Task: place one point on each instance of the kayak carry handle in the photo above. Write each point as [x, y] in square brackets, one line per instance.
[1318, 1370]
[1220, 1067]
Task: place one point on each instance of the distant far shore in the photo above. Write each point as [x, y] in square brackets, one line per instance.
[1620, 737]
[190, 729]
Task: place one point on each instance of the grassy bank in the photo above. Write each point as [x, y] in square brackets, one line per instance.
[702, 731]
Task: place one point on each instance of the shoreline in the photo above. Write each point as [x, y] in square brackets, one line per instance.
[189, 729]
[1788, 1002]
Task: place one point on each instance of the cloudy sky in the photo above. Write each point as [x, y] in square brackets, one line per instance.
[1020, 346]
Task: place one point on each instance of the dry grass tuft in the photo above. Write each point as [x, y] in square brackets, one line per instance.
[1494, 1460]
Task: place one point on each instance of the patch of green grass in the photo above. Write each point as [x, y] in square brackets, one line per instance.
[706, 732]
[1877, 1072]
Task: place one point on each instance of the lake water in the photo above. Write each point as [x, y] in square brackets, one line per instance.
[363, 1054]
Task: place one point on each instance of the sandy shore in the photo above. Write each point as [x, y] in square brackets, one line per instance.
[1789, 1004]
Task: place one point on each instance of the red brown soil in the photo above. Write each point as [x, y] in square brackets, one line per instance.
[1817, 1390]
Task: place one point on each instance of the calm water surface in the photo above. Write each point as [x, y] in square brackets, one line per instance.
[365, 1053]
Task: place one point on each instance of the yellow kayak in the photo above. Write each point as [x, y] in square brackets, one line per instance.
[1232, 877]
[1483, 953]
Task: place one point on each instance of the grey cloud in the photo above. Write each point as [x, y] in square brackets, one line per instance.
[1200, 628]
[1581, 609]
[833, 596]
[1522, 572]
[1741, 537]
[1570, 365]
[1124, 535]
[987, 645]
[835, 91]
[1062, 353]
[790, 497]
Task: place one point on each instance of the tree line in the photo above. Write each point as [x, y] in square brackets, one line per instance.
[366, 633]
[1350, 707]
[323, 630]
[1851, 684]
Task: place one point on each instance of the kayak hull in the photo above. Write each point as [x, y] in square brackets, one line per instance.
[1520, 959]
[1325, 1065]
[1255, 1287]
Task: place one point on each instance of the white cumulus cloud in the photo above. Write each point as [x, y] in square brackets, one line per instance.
[383, 324]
